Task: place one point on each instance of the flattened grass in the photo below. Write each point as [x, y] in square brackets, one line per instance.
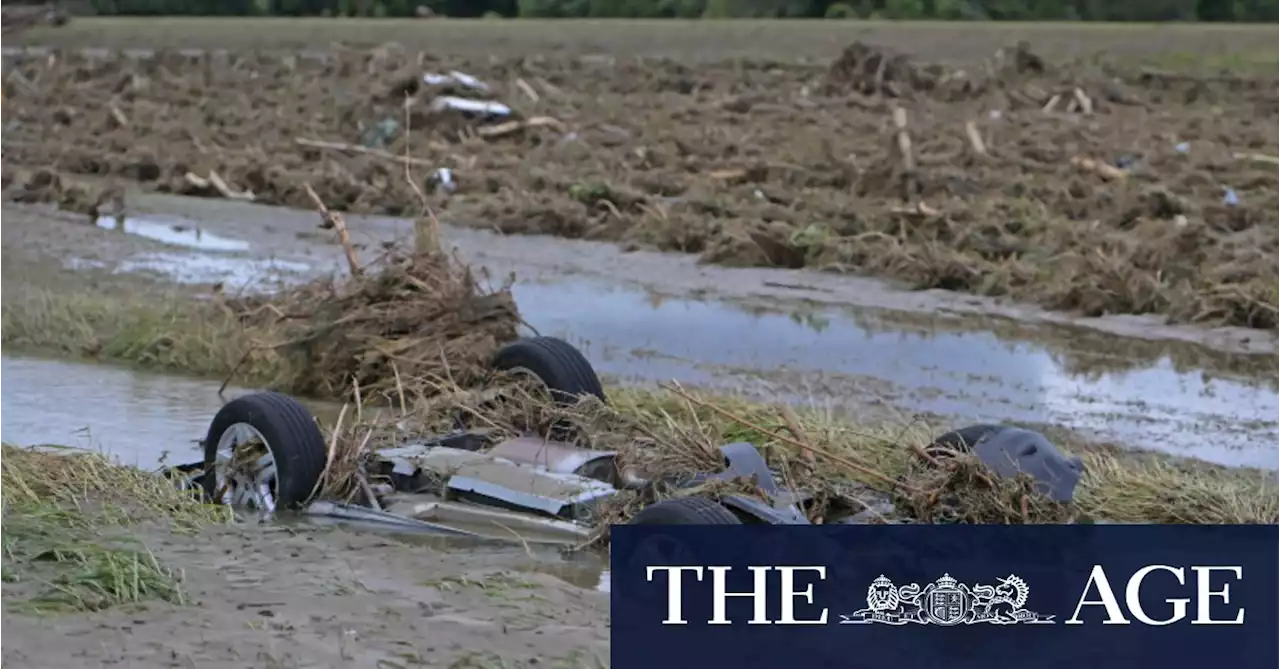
[69, 531]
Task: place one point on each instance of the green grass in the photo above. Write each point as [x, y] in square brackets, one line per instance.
[684, 40]
[71, 539]
[156, 329]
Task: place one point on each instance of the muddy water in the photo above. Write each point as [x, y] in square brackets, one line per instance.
[859, 361]
[636, 317]
[140, 419]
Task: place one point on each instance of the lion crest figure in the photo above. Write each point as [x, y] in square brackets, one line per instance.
[882, 595]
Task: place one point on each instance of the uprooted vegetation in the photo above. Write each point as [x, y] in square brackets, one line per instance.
[884, 475]
[416, 316]
[405, 314]
[69, 531]
[1071, 185]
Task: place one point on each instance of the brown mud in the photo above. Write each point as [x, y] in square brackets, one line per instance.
[287, 597]
[1077, 188]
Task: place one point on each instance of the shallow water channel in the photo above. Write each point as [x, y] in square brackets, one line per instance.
[862, 364]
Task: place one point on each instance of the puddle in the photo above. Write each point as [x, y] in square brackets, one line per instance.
[236, 273]
[213, 258]
[172, 231]
[853, 364]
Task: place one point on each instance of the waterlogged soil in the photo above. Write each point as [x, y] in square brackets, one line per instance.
[796, 336]
[1081, 189]
[295, 596]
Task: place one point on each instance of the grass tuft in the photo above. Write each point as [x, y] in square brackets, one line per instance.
[673, 432]
[70, 540]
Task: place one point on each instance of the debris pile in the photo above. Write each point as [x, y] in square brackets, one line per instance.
[1014, 178]
[420, 316]
[839, 475]
[44, 186]
[871, 70]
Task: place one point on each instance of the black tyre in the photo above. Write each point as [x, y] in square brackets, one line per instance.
[291, 435]
[557, 363]
[686, 511]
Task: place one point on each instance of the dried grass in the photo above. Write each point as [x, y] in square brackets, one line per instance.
[673, 433]
[68, 543]
[742, 165]
[417, 316]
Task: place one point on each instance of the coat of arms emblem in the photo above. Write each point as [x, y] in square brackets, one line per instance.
[946, 602]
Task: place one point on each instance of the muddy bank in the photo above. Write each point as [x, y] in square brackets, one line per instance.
[285, 246]
[113, 565]
[1000, 193]
[302, 597]
[866, 368]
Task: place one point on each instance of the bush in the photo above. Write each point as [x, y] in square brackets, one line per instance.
[841, 10]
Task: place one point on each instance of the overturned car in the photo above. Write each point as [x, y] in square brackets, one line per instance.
[265, 452]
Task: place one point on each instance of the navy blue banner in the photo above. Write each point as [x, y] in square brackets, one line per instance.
[954, 596]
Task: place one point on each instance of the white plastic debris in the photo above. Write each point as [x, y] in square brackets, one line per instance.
[1229, 197]
[454, 77]
[450, 103]
[444, 176]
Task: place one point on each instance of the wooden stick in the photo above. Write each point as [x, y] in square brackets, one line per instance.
[975, 138]
[1086, 104]
[334, 220]
[1257, 158]
[1053, 102]
[528, 90]
[216, 180]
[119, 117]
[905, 153]
[509, 127]
[1108, 172]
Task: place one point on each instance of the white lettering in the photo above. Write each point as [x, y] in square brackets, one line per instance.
[1098, 579]
[789, 595]
[1133, 595]
[759, 595]
[675, 577]
[1203, 595]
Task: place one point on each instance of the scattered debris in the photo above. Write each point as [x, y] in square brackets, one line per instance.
[466, 106]
[455, 77]
[1014, 184]
[502, 472]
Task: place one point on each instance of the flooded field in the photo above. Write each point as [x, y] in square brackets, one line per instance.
[858, 367]
[659, 318]
[972, 230]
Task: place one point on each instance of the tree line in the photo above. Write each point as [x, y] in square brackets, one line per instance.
[951, 10]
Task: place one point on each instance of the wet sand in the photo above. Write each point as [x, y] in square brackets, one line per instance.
[285, 597]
